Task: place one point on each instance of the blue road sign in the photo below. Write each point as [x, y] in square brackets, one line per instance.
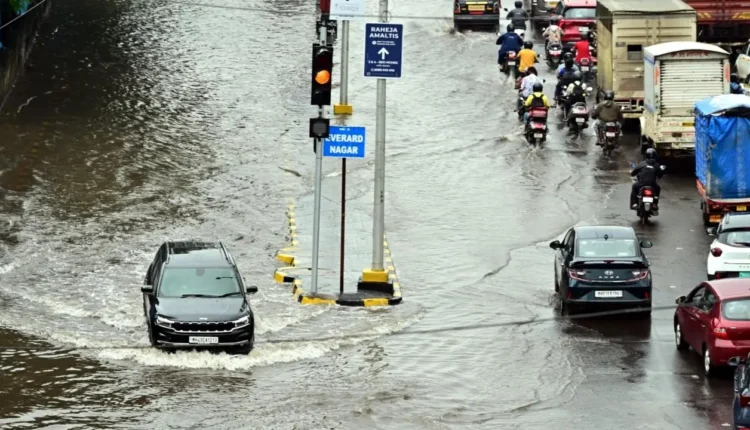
[345, 142]
[384, 49]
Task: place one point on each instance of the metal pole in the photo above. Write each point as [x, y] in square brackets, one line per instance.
[343, 224]
[378, 221]
[318, 180]
[344, 91]
[344, 100]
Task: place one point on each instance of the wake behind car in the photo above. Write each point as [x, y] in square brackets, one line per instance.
[602, 266]
[194, 297]
[729, 254]
[476, 14]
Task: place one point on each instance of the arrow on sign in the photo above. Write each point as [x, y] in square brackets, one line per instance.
[383, 52]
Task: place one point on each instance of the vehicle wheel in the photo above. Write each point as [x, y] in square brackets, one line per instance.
[557, 283]
[457, 27]
[644, 219]
[151, 338]
[708, 367]
[679, 339]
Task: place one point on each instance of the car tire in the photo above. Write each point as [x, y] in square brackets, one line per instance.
[709, 369]
[151, 338]
[457, 27]
[679, 338]
[557, 283]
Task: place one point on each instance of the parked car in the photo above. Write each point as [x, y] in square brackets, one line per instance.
[195, 297]
[729, 254]
[577, 18]
[598, 266]
[741, 404]
[714, 320]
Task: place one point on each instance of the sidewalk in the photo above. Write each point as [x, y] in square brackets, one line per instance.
[358, 254]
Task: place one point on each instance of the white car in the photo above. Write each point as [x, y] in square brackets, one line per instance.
[729, 255]
[743, 64]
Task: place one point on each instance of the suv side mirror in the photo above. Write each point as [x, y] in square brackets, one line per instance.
[147, 289]
[252, 289]
[680, 300]
[555, 244]
[734, 361]
[711, 231]
[646, 244]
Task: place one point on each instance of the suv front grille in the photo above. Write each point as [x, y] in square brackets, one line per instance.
[203, 326]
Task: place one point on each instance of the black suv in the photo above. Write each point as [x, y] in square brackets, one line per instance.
[194, 297]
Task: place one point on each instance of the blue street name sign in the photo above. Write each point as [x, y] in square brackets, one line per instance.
[345, 142]
[384, 49]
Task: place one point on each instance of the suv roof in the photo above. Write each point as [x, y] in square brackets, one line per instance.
[736, 220]
[579, 3]
[198, 254]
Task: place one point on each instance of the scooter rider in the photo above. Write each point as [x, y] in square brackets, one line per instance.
[583, 48]
[565, 74]
[607, 111]
[576, 91]
[528, 83]
[647, 173]
[537, 99]
[518, 16]
[508, 41]
[527, 56]
[553, 33]
[735, 87]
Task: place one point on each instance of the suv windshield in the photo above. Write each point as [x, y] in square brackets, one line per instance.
[735, 237]
[738, 310]
[203, 281]
[580, 13]
[611, 248]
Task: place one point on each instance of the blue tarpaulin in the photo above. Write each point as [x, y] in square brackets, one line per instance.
[722, 146]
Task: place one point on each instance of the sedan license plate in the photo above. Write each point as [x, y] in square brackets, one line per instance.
[203, 340]
[741, 208]
[538, 135]
[607, 294]
[584, 68]
[579, 120]
[476, 7]
[610, 134]
[648, 199]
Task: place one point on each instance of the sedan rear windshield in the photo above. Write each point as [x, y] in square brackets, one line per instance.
[183, 281]
[735, 237]
[610, 248]
[738, 310]
[580, 13]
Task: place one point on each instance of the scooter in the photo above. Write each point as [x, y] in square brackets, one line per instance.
[577, 118]
[647, 199]
[608, 138]
[509, 66]
[585, 65]
[536, 129]
[554, 54]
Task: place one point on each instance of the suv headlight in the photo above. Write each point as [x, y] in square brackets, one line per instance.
[242, 322]
[163, 322]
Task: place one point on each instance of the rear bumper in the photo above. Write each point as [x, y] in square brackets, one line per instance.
[723, 350]
[486, 19]
[609, 303]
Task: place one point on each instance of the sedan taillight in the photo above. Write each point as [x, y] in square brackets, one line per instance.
[640, 274]
[577, 274]
[458, 8]
[496, 7]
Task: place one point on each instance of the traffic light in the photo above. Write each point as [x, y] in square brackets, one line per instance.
[319, 128]
[322, 71]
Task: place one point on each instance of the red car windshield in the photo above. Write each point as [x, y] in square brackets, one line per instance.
[580, 13]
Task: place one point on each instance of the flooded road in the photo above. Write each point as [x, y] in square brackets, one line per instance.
[180, 121]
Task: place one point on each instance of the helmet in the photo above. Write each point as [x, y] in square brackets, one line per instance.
[511, 28]
[519, 4]
[651, 154]
[528, 44]
[568, 56]
[569, 63]
[609, 95]
[577, 75]
[538, 87]
[734, 78]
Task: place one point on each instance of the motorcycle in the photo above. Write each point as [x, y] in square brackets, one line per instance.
[510, 64]
[554, 54]
[536, 129]
[608, 138]
[646, 200]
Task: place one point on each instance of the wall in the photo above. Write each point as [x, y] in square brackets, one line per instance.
[17, 40]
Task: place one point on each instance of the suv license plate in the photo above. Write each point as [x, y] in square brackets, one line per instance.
[607, 294]
[579, 120]
[538, 135]
[583, 29]
[610, 134]
[648, 199]
[202, 340]
[744, 274]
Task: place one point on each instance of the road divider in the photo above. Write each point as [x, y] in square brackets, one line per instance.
[375, 288]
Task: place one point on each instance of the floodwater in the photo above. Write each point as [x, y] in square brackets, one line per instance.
[142, 121]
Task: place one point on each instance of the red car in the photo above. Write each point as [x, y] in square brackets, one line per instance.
[714, 320]
[576, 18]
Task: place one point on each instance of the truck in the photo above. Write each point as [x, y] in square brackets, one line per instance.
[722, 155]
[676, 75]
[624, 28]
[722, 22]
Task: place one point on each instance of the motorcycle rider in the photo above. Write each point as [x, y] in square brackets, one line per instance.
[553, 33]
[583, 48]
[518, 16]
[536, 99]
[607, 111]
[576, 90]
[565, 74]
[508, 41]
[527, 56]
[735, 87]
[647, 173]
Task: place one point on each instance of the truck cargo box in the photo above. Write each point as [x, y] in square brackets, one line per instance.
[624, 29]
[722, 147]
[722, 21]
